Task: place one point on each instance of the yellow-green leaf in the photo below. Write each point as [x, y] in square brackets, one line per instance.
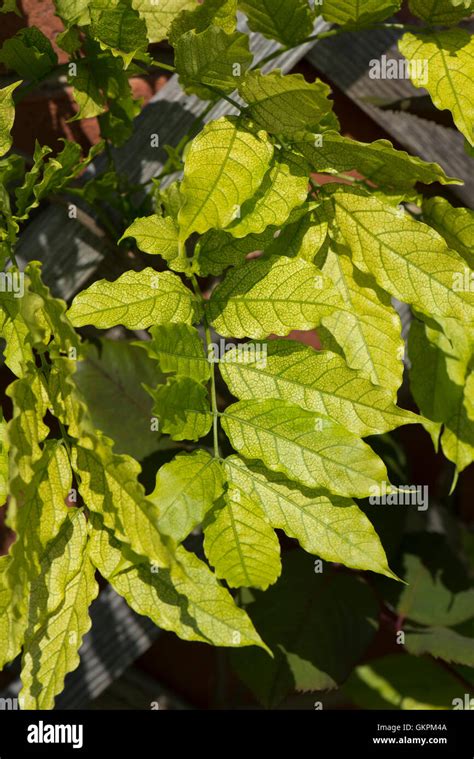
[223, 168]
[328, 526]
[307, 447]
[59, 615]
[240, 543]
[271, 295]
[450, 59]
[137, 299]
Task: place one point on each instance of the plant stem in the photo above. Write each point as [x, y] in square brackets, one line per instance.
[215, 411]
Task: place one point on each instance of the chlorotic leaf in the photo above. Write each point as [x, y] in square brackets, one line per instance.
[119, 28]
[221, 13]
[223, 168]
[456, 225]
[354, 13]
[367, 327]
[59, 616]
[185, 490]
[378, 161]
[186, 599]
[7, 116]
[218, 250]
[179, 349]
[271, 295]
[449, 56]
[440, 367]
[289, 22]
[159, 17]
[158, 235]
[109, 487]
[136, 299]
[318, 381]
[303, 238]
[305, 446]
[182, 408]
[441, 12]
[240, 543]
[328, 526]
[284, 187]
[287, 104]
[406, 257]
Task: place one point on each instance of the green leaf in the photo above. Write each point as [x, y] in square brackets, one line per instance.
[306, 446]
[288, 22]
[9, 6]
[158, 235]
[185, 490]
[331, 527]
[406, 257]
[224, 167]
[179, 349]
[284, 187]
[355, 13]
[366, 327]
[287, 104]
[59, 615]
[441, 12]
[456, 225]
[272, 295]
[159, 17]
[111, 378]
[137, 300]
[450, 59]
[221, 13]
[182, 408]
[438, 591]
[211, 61]
[240, 543]
[119, 29]
[399, 682]
[318, 626]
[109, 486]
[318, 381]
[29, 53]
[442, 643]
[7, 116]
[217, 250]
[187, 598]
[378, 161]
[440, 366]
